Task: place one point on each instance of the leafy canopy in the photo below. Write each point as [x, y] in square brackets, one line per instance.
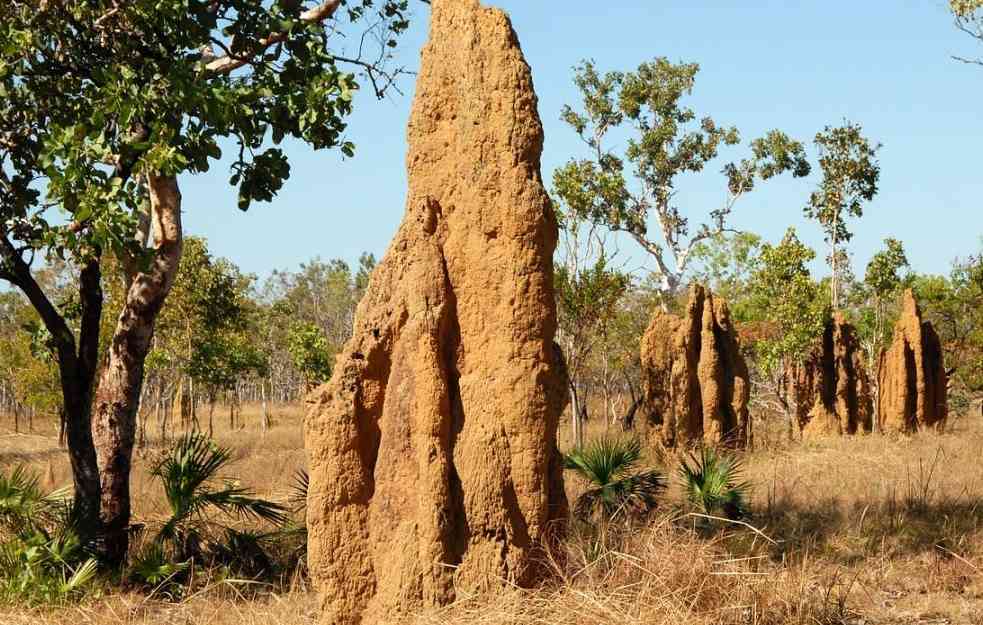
[884, 269]
[94, 91]
[785, 295]
[665, 141]
[850, 173]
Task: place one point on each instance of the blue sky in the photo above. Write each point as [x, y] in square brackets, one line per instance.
[792, 65]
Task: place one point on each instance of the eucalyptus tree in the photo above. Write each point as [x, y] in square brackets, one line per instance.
[625, 190]
[103, 105]
[884, 279]
[850, 173]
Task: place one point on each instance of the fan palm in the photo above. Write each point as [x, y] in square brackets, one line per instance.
[617, 484]
[714, 483]
[193, 489]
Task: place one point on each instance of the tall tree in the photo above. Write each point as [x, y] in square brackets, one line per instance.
[666, 142]
[884, 279]
[850, 173]
[103, 104]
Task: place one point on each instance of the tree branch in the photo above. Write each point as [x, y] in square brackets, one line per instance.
[228, 64]
[18, 273]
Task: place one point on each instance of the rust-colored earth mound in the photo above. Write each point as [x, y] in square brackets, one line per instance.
[912, 381]
[831, 388]
[695, 381]
[434, 467]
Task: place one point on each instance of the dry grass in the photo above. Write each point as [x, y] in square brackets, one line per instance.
[864, 530]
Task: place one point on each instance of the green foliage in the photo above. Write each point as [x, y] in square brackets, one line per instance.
[138, 81]
[26, 360]
[206, 331]
[726, 263]
[954, 305]
[785, 296]
[884, 269]
[42, 559]
[850, 173]
[189, 474]
[587, 298]
[714, 483]
[617, 486]
[875, 301]
[666, 141]
[153, 566]
[311, 354]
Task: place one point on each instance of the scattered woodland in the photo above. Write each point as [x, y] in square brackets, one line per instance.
[153, 394]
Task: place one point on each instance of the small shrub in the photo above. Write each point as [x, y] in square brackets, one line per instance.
[714, 483]
[200, 500]
[617, 485]
[42, 559]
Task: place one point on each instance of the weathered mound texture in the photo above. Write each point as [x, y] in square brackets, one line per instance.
[912, 378]
[831, 388]
[695, 380]
[434, 467]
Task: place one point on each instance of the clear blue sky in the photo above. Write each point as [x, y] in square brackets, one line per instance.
[788, 64]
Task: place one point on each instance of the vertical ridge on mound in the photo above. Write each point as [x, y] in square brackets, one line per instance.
[695, 380]
[433, 456]
[912, 382]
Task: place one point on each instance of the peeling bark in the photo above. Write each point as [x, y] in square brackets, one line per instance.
[118, 392]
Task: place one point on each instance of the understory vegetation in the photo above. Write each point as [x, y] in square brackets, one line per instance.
[867, 529]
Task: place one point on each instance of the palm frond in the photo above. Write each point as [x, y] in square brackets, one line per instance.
[234, 499]
[193, 462]
[299, 490]
[605, 459]
[23, 503]
[618, 487]
[153, 566]
[714, 483]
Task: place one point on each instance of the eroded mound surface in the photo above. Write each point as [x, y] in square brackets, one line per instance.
[695, 380]
[434, 466]
[912, 379]
[831, 387]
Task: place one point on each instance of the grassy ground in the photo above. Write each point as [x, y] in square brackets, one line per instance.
[870, 530]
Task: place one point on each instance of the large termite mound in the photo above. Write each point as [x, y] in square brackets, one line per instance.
[831, 388]
[695, 380]
[912, 379]
[434, 467]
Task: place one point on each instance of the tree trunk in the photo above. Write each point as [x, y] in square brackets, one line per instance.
[118, 393]
[266, 407]
[576, 417]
